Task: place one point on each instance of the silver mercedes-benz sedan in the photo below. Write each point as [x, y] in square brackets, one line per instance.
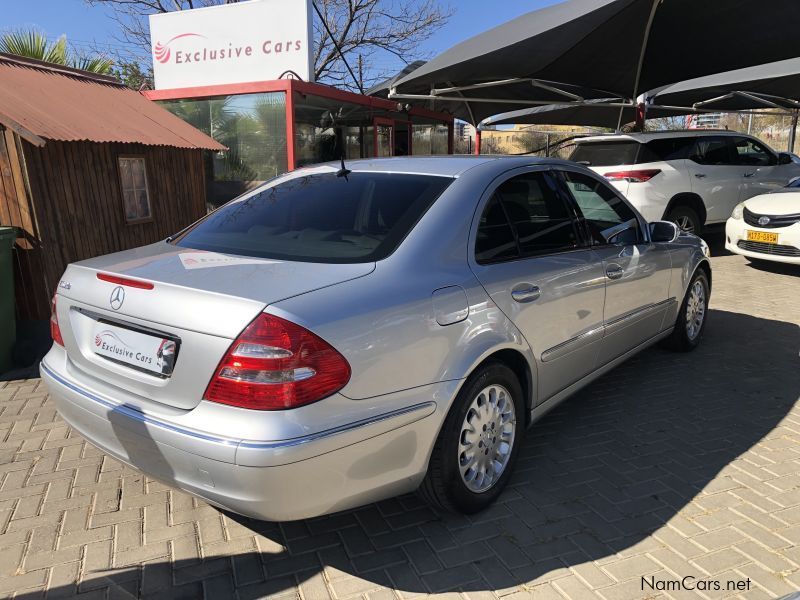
[342, 335]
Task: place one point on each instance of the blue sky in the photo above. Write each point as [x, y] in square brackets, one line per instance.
[85, 25]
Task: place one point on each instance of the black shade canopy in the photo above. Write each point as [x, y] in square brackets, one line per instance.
[622, 47]
[593, 113]
[505, 97]
[382, 88]
[774, 85]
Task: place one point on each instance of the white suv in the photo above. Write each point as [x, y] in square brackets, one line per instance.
[693, 178]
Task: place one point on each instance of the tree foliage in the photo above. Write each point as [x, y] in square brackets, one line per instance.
[34, 44]
[131, 74]
[368, 30]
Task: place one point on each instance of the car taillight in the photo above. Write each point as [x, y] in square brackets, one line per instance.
[638, 176]
[276, 364]
[55, 330]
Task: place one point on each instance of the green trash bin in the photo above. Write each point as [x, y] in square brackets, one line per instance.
[8, 326]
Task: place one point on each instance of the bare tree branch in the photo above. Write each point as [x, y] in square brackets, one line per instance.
[374, 30]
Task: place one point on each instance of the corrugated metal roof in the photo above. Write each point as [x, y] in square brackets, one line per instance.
[48, 102]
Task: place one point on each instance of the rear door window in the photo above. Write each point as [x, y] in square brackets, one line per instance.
[496, 240]
[320, 218]
[606, 153]
[528, 211]
[714, 150]
[667, 149]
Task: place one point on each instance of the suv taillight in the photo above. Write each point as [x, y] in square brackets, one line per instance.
[636, 176]
[55, 330]
[276, 364]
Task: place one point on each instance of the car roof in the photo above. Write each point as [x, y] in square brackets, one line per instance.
[658, 135]
[446, 165]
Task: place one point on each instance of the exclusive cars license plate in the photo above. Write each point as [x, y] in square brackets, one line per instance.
[762, 236]
[140, 350]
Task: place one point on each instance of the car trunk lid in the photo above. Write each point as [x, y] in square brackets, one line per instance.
[199, 301]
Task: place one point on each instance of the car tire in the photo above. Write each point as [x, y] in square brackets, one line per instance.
[685, 337]
[445, 486]
[686, 219]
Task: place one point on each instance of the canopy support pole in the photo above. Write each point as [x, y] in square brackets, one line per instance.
[793, 130]
[641, 116]
[764, 99]
[395, 96]
[549, 86]
[645, 40]
[619, 120]
[477, 141]
[469, 109]
[555, 90]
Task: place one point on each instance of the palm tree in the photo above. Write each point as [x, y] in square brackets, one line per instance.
[34, 44]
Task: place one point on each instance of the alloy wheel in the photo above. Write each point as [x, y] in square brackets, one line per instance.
[486, 439]
[684, 223]
[695, 310]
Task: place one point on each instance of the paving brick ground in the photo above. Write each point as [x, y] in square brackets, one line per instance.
[670, 466]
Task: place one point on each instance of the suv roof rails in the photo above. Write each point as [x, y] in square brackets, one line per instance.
[666, 132]
[696, 130]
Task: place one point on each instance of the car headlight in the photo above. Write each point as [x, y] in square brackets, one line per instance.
[704, 247]
[738, 211]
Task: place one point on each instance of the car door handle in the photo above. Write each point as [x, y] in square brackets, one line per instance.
[525, 293]
[614, 271]
[699, 175]
[749, 174]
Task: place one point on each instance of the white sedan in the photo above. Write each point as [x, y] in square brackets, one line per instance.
[767, 227]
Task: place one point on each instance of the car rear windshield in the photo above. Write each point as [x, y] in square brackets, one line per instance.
[605, 154]
[362, 217]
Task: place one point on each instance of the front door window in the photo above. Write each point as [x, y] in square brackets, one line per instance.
[608, 218]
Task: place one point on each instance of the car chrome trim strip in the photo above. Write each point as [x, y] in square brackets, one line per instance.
[572, 344]
[542, 409]
[134, 414]
[588, 337]
[639, 313]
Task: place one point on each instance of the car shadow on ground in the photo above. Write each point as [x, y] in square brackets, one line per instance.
[776, 267]
[714, 235]
[596, 477]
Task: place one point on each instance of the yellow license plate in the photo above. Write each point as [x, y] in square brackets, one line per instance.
[762, 236]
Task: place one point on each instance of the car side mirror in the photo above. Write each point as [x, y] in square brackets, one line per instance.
[784, 159]
[663, 231]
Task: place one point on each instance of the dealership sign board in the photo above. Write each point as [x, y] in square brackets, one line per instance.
[258, 40]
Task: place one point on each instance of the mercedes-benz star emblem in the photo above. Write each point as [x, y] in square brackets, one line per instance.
[763, 221]
[117, 297]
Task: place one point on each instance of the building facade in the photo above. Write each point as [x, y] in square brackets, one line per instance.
[271, 127]
[88, 167]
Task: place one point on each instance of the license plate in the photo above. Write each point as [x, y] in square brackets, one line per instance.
[146, 352]
[762, 236]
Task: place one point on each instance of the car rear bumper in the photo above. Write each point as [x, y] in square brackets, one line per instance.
[788, 242]
[375, 458]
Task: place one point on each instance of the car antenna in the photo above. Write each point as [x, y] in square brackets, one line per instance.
[344, 171]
